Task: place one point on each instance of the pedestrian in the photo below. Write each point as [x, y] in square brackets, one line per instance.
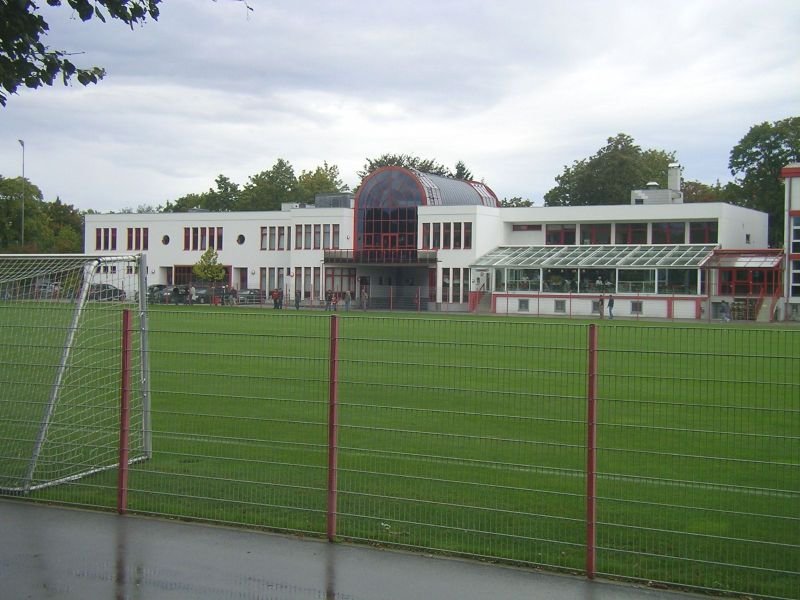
[600, 306]
[610, 307]
[192, 295]
[725, 311]
[328, 299]
[348, 297]
[364, 298]
[334, 300]
[274, 296]
[280, 299]
[297, 296]
[176, 295]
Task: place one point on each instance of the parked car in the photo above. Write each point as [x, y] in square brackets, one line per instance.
[105, 292]
[251, 296]
[154, 293]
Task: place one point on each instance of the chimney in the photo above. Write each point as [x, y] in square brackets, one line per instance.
[674, 177]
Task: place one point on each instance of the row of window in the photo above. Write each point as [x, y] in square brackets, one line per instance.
[444, 236]
[567, 234]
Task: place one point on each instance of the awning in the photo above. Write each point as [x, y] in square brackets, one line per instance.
[742, 259]
[600, 257]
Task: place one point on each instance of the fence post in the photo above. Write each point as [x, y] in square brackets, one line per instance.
[591, 452]
[124, 414]
[333, 389]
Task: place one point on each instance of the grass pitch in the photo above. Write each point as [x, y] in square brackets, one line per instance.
[467, 436]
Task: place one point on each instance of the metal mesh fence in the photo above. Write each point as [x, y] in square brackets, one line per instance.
[468, 436]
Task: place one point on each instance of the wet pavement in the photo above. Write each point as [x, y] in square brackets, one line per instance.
[64, 553]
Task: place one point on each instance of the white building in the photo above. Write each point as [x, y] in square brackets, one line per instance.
[424, 242]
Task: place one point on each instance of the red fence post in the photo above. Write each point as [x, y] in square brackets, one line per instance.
[333, 389]
[591, 453]
[124, 414]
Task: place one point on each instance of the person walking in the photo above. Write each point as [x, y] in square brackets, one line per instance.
[600, 308]
[610, 307]
[364, 298]
[297, 297]
[347, 299]
[192, 295]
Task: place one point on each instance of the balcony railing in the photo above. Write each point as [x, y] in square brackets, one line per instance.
[381, 256]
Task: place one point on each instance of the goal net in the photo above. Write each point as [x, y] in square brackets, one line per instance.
[61, 367]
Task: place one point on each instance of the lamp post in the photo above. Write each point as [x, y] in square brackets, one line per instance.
[22, 220]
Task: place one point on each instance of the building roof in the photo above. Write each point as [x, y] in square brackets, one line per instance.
[745, 259]
[598, 256]
[395, 187]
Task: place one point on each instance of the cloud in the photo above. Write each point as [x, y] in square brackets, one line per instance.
[515, 89]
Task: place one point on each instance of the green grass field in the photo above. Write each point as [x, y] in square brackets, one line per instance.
[467, 435]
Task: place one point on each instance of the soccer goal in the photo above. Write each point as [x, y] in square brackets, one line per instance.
[61, 339]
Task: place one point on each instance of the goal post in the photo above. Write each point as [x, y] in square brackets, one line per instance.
[60, 361]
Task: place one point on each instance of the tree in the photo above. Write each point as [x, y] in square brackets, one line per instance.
[756, 162]
[321, 180]
[26, 60]
[208, 267]
[407, 161]
[608, 176]
[268, 189]
[462, 172]
[223, 199]
[514, 202]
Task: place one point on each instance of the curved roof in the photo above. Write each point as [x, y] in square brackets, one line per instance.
[394, 187]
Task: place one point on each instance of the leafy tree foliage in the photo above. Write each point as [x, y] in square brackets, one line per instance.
[322, 180]
[608, 176]
[462, 172]
[26, 60]
[49, 226]
[268, 189]
[208, 267]
[756, 163]
[516, 201]
[407, 161]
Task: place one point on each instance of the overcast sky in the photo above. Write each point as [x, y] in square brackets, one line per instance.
[515, 89]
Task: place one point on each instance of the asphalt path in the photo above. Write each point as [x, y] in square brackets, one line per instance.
[66, 553]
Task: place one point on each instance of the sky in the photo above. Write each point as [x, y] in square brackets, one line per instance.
[516, 89]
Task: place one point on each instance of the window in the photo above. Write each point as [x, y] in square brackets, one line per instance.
[240, 239]
[271, 244]
[526, 227]
[560, 235]
[165, 240]
[456, 235]
[703, 232]
[138, 238]
[282, 238]
[437, 236]
[105, 238]
[264, 238]
[307, 237]
[467, 235]
[631, 233]
[560, 306]
[446, 235]
[298, 237]
[636, 307]
[596, 233]
[317, 236]
[326, 237]
[335, 237]
[426, 236]
[196, 238]
[669, 233]
[522, 306]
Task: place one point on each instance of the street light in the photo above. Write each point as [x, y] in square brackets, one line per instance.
[22, 220]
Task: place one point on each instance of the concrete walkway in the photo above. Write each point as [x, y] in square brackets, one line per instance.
[63, 553]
